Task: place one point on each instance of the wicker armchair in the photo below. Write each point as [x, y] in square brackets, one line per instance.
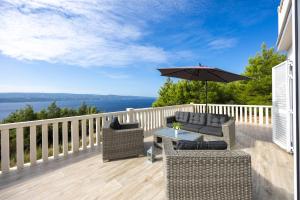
[126, 142]
[204, 174]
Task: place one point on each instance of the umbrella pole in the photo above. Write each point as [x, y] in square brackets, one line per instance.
[206, 108]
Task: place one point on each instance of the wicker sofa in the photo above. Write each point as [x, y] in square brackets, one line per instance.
[206, 174]
[212, 126]
[126, 141]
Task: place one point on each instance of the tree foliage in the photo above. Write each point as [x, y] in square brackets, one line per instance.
[28, 114]
[258, 90]
[53, 111]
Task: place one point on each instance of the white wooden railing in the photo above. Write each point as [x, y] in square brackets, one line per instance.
[90, 125]
[248, 114]
[85, 131]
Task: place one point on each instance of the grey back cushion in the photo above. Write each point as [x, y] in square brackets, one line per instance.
[182, 116]
[197, 118]
[216, 120]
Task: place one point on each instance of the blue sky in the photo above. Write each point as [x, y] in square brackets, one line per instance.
[114, 47]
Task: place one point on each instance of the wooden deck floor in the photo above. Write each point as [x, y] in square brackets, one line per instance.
[85, 176]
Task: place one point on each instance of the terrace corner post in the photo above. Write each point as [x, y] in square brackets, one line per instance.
[130, 117]
[206, 97]
[297, 99]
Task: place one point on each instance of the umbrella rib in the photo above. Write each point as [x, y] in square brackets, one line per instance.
[241, 76]
[224, 80]
[190, 74]
[170, 73]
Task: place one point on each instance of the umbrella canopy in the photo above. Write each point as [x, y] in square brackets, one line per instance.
[202, 73]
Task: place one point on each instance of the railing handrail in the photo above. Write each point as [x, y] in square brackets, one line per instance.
[241, 105]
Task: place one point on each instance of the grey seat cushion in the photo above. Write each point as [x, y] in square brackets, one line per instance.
[216, 120]
[201, 145]
[191, 127]
[210, 130]
[197, 118]
[182, 116]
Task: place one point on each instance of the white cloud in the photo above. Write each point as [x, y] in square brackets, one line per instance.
[222, 43]
[84, 33]
[115, 75]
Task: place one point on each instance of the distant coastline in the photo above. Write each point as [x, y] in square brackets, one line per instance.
[10, 102]
[40, 97]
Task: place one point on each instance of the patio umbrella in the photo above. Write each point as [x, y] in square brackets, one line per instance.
[202, 73]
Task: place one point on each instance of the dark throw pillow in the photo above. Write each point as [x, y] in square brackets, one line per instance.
[201, 145]
[216, 120]
[115, 124]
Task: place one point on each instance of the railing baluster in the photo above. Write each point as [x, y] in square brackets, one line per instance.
[140, 116]
[5, 161]
[91, 132]
[241, 114]
[148, 120]
[98, 128]
[75, 135]
[154, 119]
[267, 116]
[270, 117]
[83, 132]
[145, 121]
[20, 148]
[158, 118]
[32, 145]
[124, 118]
[55, 141]
[161, 120]
[250, 115]
[246, 114]
[237, 113]
[45, 142]
[255, 115]
[261, 117]
[65, 138]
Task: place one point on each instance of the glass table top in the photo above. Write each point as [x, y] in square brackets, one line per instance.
[182, 134]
